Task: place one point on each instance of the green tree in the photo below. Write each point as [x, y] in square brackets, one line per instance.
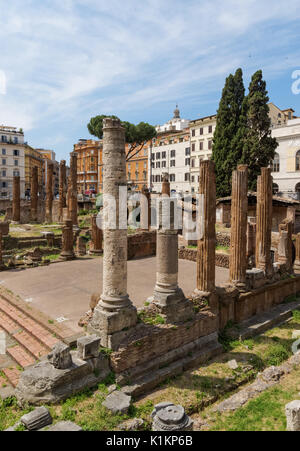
[226, 154]
[136, 135]
[258, 145]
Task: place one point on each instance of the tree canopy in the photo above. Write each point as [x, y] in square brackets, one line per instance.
[136, 135]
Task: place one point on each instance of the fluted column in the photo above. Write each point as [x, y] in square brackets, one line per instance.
[115, 311]
[96, 245]
[34, 193]
[239, 213]
[49, 192]
[264, 222]
[16, 204]
[297, 257]
[207, 243]
[62, 189]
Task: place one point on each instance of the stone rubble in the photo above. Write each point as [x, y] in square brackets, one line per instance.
[117, 402]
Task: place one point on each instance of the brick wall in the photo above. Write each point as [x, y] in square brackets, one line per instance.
[141, 244]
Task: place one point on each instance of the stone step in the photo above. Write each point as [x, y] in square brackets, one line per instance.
[26, 340]
[28, 324]
[21, 356]
[12, 375]
[148, 382]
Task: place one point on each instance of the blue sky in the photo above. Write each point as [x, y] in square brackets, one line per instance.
[63, 62]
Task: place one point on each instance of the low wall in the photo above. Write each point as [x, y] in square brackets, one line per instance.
[222, 260]
[141, 244]
[223, 239]
[10, 243]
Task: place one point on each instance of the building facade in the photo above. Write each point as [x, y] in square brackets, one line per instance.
[137, 166]
[89, 166]
[12, 160]
[201, 137]
[33, 158]
[286, 164]
[280, 117]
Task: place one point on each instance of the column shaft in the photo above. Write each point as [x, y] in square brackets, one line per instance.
[16, 205]
[34, 193]
[49, 193]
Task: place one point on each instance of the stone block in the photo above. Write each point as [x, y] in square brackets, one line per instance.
[64, 426]
[169, 417]
[292, 411]
[255, 278]
[60, 356]
[117, 402]
[37, 419]
[88, 347]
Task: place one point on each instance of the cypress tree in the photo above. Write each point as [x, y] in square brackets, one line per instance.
[224, 153]
[254, 134]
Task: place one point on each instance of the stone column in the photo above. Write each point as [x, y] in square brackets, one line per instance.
[114, 314]
[207, 244]
[49, 193]
[2, 266]
[285, 245]
[165, 189]
[264, 222]
[72, 197]
[67, 242]
[239, 213]
[168, 298]
[251, 240]
[297, 259]
[96, 247]
[16, 204]
[62, 189]
[145, 205]
[34, 193]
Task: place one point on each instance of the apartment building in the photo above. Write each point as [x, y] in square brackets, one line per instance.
[201, 137]
[137, 166]
[89, 166]
[280, 117]
[12, 163]
[33, 158]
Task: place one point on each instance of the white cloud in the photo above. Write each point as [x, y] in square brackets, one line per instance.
[2, 83]
[66, 59]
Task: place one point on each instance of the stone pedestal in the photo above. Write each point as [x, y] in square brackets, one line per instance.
[145, 215]
[297, 259]
[49, 193]
[67, 242]
[96, 244]
[168, 298]
[34, 194]
[285, 245]
[16, 205]
[239, 212]
[80, 246]
[207, 242]
[169, 417]
[62, 190]
[264, 222]
[114, 314]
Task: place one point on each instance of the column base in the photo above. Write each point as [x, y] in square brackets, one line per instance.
[172, 305]
[95, 252]
[64, 257]
[112, 326]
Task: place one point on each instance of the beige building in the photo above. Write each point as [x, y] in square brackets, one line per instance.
[201, 138]
[12, 162]
[280, 117]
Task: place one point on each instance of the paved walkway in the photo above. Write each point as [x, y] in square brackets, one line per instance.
[63, 290]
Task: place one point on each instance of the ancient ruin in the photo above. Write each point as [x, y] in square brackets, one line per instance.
[96, 244]
[16, 203]
[67, 242]
[72, 190]
[49, 193]
[34, 192]
[62, 190]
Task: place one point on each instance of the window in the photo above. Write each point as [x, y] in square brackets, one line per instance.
[187, 161]
[193, 147]
[201, 145]
[3, 173]
[193, 178]
[3, 185]
[152, 165]
[276, 163]
[164, 154]
[201, 131]
[173, 153]
[145, 175]
[298, 161]
[187, 151]
[3, 151]
[172, 163]
[152, 156]
[16, 153]
[172, 177]
[163, 164]
[4, 139]
[16, 163]
[210, 129]
[3, 162]
[193, 132]
[158, 155]
[158, 164]
[209, 144]
[16, 174]
[187, 177]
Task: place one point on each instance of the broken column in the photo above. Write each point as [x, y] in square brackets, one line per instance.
[297, 257]
[72, 193]
[16, 204]
[264, 222]
[207, 242]
[62, 189]
[114, 314]
[285, 245]
[67, 242]
[169, 417]
[145, 206]
[239, 213]
[251, 241]
[2, 266]
[49, 193]
[96, 245]
[34, 193]
[167, 297]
